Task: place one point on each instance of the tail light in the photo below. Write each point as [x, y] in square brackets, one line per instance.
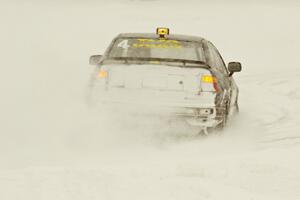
[208, 81]
[102, 74]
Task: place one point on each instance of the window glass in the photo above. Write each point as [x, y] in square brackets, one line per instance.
[215, 59]
[157, 48]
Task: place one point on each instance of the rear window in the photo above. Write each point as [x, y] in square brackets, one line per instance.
[157, 48]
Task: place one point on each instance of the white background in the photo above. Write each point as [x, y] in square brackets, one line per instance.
[52, 146]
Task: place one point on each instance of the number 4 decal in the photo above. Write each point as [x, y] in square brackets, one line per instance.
[124, 44]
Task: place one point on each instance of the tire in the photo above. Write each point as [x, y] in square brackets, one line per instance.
[222, 125]
[237, 108]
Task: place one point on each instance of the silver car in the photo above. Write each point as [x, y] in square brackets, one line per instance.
[185, 73]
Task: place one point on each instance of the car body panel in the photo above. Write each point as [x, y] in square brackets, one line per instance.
[172, 85]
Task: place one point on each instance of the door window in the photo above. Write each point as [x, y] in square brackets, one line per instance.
[214, 59]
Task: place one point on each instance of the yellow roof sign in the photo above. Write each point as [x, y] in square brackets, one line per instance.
[162, 32]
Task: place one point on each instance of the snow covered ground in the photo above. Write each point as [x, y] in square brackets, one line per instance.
[52, 146]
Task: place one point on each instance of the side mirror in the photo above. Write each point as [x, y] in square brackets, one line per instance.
[95, 59]
[234, 67]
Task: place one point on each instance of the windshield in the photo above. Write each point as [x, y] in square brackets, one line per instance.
[157, 49]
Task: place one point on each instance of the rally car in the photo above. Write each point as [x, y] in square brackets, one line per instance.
[186, 73]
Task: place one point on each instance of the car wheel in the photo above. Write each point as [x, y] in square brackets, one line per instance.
[237, 109]
[222, 125]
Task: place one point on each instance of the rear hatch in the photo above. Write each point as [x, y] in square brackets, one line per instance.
[160, 83]
[156, 77]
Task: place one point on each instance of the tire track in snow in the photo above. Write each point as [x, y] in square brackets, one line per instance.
[277, 107]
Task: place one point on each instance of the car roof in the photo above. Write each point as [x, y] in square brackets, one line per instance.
[154, 36]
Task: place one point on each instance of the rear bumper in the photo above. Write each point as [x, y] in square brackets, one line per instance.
[201, 120]
[167, 104]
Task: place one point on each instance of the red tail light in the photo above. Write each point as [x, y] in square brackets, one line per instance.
[210, 80]
[215, 84]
